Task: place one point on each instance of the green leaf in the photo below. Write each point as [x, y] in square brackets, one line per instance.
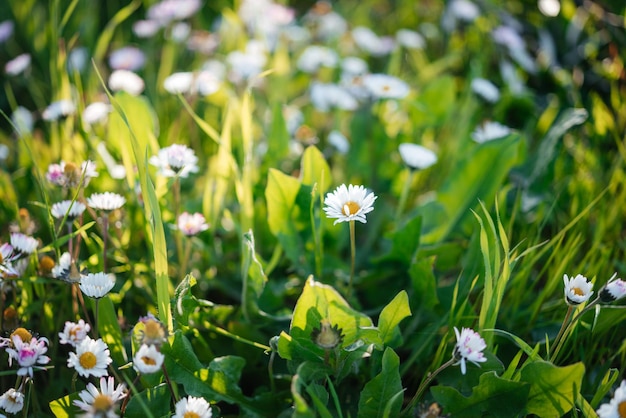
[280, 195]
[605, 385]
[436, 101]
[493, 397]
[315, 169]
[110, 332]
[278, 139]
[392, 314]
[254, 282]
[303, 380]
[405, 242]
[382, 390]
[424, 283]
[553, 389]
[156, 400]
[63, 407]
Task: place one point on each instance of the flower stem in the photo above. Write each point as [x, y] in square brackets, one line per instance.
[565, 328]
[105, 238]
[95, 320]
[422, 387]
[403, 197]
[352, 257]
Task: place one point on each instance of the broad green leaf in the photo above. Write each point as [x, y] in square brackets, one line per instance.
[110, 332]
[64, 407]
[307, 373]
[435, 101]
[405, 242]
[382, 389]
[157, 400]
[424, 283]
[315, 169]
[392, 314]
[553, 389]
[493, 397]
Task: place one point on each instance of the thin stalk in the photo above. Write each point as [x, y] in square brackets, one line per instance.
[564, 325]
[70, 243]
[95, 320]
[105, 239]
[422, 387]
[128, 395]
[565, 329]
[169, 383]
[352, 257]
[178, 236]
[405, 194]
[186, 256]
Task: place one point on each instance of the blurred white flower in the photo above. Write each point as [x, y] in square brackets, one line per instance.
[175, 160]
[116, 171]
[97, 285]
[12, 401]
[191, 224]
[469, 347]
[416, 157]
[509, 38]
[613, 290]
[17, 65]
[354, 66]
[339, 141]
[325, 23]
[513, 81]
[350, 203]
[4, 152]
[6, 30]
[96, 112]
[146, 28]
[73, 209]
[383, 86]
[61, 269]
[77, 59]
[74, 332]
[22, 118]
[128, 81]
[550, 8]
[369, 42]
[23, 243]
[577, 290]
[316, 56]
[329, 96]
[192, 407]
[264, 19]
[178, 82]
[203, 82]
[148, 359]
[464, 10]
[617, 404]
[101, 403]
[248, 64]
[489, 131]
[59, 109]
[410, 39]
[167, 11]
[92, 358]
[485, 89]
[180, 32]
[106, 201]
[127, 58]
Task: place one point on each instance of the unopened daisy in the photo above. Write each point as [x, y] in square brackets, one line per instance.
[106, 201]
[101, 403]
[59, 109]
[148, 359]
[191, 407]
[349, 203]
[384, 86]
[152, 333]
[23, 243]
[613, 290]
[485, 89]
[97, 285]
[12, 401]
[469, 347]
[128, 81]
[577, 289]
[28, 354]
[91, 358]
[416, 157]
[489, 131]
[175, 159]
[74, 332]
[616, 408]
[61, 270]
[191, 224]
[73, 209]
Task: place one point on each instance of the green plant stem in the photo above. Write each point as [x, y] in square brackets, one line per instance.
[565, 328]
[186, 255]
[169, 383]
[225, 333]
[352, 257]
[178, 236]
[557, 340]
[95, 320]
[403, 197]
[105, 239]
[422, 387]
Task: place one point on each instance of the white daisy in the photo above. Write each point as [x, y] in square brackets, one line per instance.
[29, 355]
[91, 358]
[469, 347]
[96, 112]
[6, 30]
[316, 56]
[127, 58]
[191, 407]
[489, 131]
[97, 285]
[577, 290]
[23, 243]
[613, 290]
[148, 359]
[191, 224]
[18, 64]
[175, 159]
[368, 41]
[416, 157]
[125, 80]
[410, 39]
[349, 203]
[61, 270]
[384, 86]
[106, 201]
[23, 120]
[146, 28]
[59, 109]
[327, 96]
[178, 82]
[73, 209]
[101, 403]
[12, 401]
[74, 332]
[616, 408]
[485, 89]
[339, 141]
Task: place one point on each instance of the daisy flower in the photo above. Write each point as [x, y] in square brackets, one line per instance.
[96, 112]
[12, 401]
[128, 81]
[175, 159]
[62, 269]
[469, 347]
[577, 290]
[101, 403]
[613, 290]
[23, 244]
[148, 359]
[73, 209]
[416, 157]
[17, 65]
[490, 131]
[106, 201]
[191, 224]
[91, 358]
[383, 86]
[28, 354]
[97, 285]
[74, 332]
[59, 109]
[192, 407]
[616, 408]
[485, 89]
[127, 58]
[349, 203]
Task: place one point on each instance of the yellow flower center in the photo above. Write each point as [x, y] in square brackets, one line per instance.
[621, 409]
[88, 360]
[69, 168]
[386, 87]
[102, 403]
[578, 291]
[350, 208]
[148, 360]
[191, 415]
[23, 334]
[153, 332]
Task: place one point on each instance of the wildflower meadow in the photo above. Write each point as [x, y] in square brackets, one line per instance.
[264, 208]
